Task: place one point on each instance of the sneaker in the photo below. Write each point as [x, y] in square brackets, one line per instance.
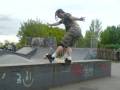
[45, 56]
[50, 58]
[68, 61]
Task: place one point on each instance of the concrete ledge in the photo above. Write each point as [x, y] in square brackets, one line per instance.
[38, 76]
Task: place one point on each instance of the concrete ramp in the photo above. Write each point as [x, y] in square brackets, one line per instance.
[15, 60]
[39, 54]
[26, 52]
[36, 73]
[84, 53]
[77, 54]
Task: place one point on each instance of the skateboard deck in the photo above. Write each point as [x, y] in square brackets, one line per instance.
[62, 61]
[59, 60]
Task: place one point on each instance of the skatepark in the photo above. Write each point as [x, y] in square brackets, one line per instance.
[27, 70]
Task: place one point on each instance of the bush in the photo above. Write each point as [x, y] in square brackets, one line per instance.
[110, 46]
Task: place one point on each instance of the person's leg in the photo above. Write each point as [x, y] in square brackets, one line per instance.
[59, 50]
[63, 48]
[70, 39]
[69, 53]
[67, 41]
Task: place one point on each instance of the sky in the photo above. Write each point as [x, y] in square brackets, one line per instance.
[14, 12]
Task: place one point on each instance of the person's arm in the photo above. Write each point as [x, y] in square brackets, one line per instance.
[80, 19]
[55, 24]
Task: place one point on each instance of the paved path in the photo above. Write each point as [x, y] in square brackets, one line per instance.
[108, 83]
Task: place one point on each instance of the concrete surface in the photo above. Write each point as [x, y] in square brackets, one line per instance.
[37, 53]
[15, 60]
[77, 54]
[25, 50]
[109, 83]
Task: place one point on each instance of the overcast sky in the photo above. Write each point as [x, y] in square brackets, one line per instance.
[15, 12]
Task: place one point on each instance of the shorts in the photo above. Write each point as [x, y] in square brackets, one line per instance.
[71, 37]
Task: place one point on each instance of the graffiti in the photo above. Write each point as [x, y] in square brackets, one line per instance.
[88, 71]
[19, 79]
[77, 69]
[50, 42]
[80, 69]
[2, 76]
[27, 80]
[103, 67]
[66, 69]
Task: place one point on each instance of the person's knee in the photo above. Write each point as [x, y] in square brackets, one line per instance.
[61, 48]
[69, 49]
[62, 45]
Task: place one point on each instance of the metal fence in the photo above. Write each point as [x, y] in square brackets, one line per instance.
[108, 54]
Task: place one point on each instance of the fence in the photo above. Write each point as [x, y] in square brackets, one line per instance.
[108, 54]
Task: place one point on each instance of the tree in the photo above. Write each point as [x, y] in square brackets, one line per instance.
[35, 28]
[80, 42]
[92, 35]
[111, 35]
[7, 42]
[87, 39]
[1, 44]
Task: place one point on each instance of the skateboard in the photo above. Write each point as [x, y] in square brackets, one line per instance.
[62, 61]
[56, 60]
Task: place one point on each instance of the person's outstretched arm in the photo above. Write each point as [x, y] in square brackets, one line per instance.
[55, 24]
[80, 19]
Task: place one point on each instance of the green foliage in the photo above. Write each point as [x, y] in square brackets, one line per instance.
[111, 35]
[95, 26]
[92, 35]
[79, 43]
[33, 28]
[1, 45]
[87, 39]
[110, 46]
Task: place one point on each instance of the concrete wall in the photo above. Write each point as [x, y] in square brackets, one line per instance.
[39, 76]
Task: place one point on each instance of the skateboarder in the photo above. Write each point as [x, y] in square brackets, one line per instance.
[73, 32]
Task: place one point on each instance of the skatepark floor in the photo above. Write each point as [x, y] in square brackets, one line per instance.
[107, 83]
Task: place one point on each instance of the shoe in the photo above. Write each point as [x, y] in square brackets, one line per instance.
[45, 56]
[68, 61]
[50, 58]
